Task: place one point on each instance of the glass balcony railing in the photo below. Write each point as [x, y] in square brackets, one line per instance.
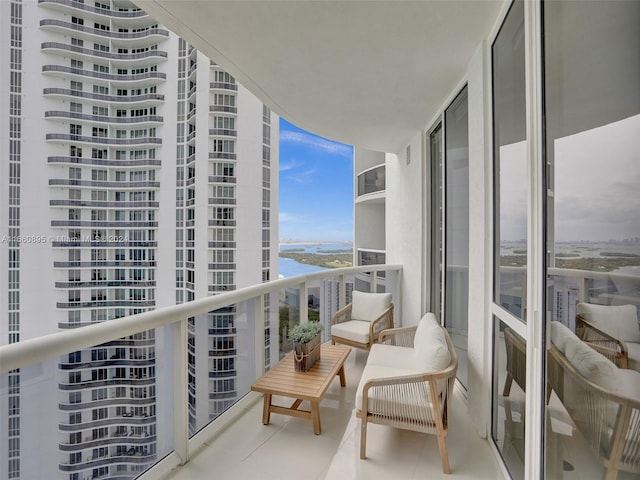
[149, 389]
[372, 181]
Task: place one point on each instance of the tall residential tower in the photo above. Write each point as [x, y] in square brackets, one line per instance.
[135, 173]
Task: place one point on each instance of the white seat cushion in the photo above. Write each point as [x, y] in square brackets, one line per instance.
[627, 383]
[591, 364]
[560, 335]
[634, 355]
[391, 356]
[354, 330]
[368, 306]
[619, 321]
[430, 347]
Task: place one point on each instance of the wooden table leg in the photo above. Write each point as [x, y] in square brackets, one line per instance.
[266, 409]
[343, 381]
[315, 416]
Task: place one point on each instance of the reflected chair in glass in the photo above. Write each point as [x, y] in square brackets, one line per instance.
[516, 361]
[612, 331]
[359, 323]
[602, 400]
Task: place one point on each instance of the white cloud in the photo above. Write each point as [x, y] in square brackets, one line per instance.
[596, 190]
[289, 218]
[302, 177]
[290, 165]
[317, 143]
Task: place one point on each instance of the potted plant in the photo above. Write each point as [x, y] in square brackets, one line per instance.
[306, 345]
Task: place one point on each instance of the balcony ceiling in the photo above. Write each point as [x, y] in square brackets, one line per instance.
[367, 73]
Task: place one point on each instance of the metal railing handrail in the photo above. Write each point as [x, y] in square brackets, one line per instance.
[34, 350]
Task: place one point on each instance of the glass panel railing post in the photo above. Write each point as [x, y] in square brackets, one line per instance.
[180, 391]
[583, 289]
[374, 282]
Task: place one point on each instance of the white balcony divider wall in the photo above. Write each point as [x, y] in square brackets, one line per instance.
[37, 357]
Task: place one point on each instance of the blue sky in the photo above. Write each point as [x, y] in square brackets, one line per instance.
[316, 186]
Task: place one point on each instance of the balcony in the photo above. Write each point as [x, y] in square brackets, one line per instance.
[372, 182]
[72, 5]
[254, 447]
[287, 446]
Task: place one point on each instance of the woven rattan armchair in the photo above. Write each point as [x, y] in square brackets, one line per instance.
[608, 345]
[359, 323]
[410, 399]
[608, 418]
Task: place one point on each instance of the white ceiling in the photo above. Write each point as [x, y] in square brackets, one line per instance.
[367, 73]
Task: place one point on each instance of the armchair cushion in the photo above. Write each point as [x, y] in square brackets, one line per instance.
[353, 330]
[368, 306]
[592, 365]
[627, 383]
[620, 321]
[431, 353]
[391, 356]
[633, 353]
[561, 335]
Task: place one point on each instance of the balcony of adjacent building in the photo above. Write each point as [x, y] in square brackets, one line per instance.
[101, 30]
[102, 11]
[371, 185]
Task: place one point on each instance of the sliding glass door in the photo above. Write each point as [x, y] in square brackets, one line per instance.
[510, 185]
[456, 228]
[592, 112]
[566, 240]
[436, 208]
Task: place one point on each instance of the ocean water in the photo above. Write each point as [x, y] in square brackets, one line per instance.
[288, 267]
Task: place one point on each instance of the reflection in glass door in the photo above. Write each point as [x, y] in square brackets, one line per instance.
[592, 113]
[509, 402]
[435, 149]
[456, 225]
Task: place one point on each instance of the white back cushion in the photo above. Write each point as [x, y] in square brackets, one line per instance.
[620, 321]
[431, 351]
[591, 364]
[560, 335]
[368, 306]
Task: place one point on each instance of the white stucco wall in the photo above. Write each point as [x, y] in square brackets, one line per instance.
[404, 218]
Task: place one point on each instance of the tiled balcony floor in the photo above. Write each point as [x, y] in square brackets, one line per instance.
[288, 449]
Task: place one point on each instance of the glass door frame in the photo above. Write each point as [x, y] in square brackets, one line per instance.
[534, 326]
[434, 204]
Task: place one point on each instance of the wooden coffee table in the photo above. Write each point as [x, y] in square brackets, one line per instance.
[282, 380]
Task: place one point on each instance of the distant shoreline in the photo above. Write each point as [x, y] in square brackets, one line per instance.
[315, 242]
[335, 258]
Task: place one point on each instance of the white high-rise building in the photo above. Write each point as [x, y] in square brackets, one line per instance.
[135, 174]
